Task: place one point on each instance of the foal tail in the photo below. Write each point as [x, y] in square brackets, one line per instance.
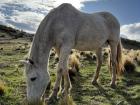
[119, 63]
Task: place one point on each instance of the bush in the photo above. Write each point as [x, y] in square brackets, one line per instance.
[129, 66]
[74, 65]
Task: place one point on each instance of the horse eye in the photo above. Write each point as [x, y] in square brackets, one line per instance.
[31, 61]
[33, 79]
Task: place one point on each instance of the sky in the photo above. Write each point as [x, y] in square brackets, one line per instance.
[26, 15]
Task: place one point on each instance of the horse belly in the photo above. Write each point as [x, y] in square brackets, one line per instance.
[91, 36]
[83, 47]
[88, 45]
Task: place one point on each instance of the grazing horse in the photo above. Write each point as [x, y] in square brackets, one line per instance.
[65, 28]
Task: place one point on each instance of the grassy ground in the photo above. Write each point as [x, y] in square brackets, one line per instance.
[83, 92]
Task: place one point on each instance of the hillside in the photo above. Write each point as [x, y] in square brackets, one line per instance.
[127, 44]
[130, 44]
[14, 45]
[14, 33]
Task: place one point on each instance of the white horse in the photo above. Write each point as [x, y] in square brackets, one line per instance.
[66, 28]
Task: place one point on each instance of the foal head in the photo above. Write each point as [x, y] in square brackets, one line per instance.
[37, 81]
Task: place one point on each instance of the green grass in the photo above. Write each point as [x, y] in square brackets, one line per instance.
[82, 93]
[126, 93]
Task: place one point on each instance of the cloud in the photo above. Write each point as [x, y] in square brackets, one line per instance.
[23, 14]
[27, 14]
[77, 3]
[132, 31]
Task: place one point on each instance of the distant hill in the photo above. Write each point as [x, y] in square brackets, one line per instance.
[14, 33]
[130, 44]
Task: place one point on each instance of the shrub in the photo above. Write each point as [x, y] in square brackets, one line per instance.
[74, 62]
[74, 65]
[129, 66]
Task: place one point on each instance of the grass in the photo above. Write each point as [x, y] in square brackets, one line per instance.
[102, 94]
[82, 93]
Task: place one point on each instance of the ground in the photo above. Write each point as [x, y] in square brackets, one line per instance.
[83, 92]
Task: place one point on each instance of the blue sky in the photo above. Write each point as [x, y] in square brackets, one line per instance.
[127, 11]
[26, 15]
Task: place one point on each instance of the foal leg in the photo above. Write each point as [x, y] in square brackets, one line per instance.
[113, 61]
[99, 63]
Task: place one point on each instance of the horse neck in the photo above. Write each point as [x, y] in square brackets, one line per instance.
[40, 50]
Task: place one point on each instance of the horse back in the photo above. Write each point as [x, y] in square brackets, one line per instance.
[112, 24]
[82, 29]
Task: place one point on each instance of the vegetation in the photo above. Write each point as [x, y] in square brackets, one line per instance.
[13, 86]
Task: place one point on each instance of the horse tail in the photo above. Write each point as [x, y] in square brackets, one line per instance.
[119, 64]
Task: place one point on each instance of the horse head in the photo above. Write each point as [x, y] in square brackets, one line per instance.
[37, 80]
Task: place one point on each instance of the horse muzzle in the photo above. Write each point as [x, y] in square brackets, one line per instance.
[34, 101]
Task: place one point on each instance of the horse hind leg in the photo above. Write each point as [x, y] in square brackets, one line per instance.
[99, 63]
[113, 56]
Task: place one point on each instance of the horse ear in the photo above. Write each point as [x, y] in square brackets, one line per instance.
[24, 61]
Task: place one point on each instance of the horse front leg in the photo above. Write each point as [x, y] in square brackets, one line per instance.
[53, 97]
[62, 70]
[66, 84]
[99, 63]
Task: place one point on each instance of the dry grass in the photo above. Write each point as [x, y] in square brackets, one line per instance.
[74, 65]
[74, 62]
[106, 54]
[131, 59]
[137, 57]
[66, 101]
[138, 61]
[129, 66]
[2, 88]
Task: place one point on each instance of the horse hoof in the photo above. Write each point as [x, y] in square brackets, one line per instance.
[94, 83]
[113, 86]
[65, 92]
[52, 100]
